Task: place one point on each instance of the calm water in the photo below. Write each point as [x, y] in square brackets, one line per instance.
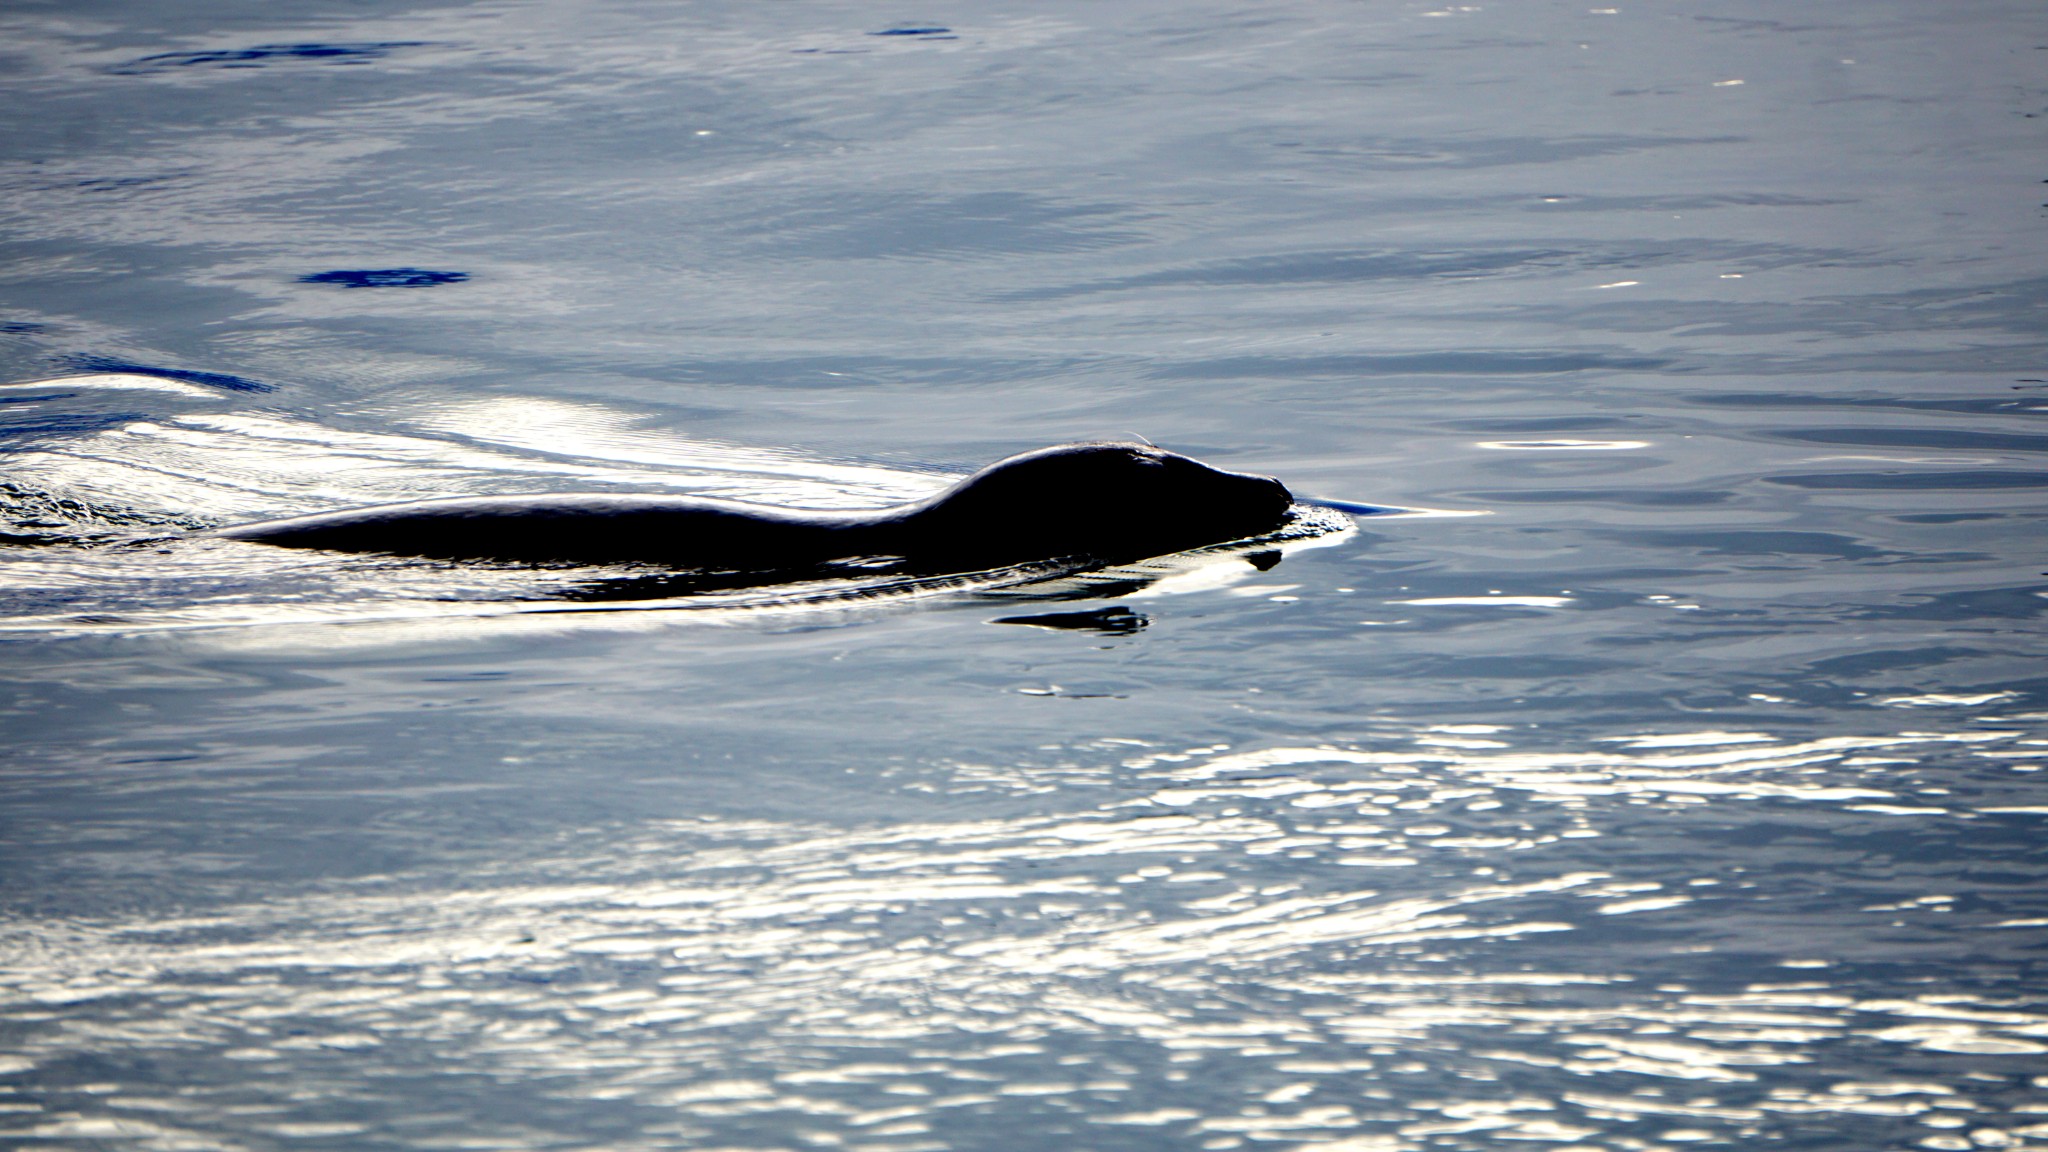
[1666, 774]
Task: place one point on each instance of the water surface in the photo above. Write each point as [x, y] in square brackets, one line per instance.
[1668, 776]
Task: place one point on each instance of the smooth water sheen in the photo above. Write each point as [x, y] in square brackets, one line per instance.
[1657, 764]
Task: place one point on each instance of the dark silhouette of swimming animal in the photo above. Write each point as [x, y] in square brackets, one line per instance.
[1098, 503]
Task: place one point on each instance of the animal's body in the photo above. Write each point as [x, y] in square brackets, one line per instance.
[1105, 503]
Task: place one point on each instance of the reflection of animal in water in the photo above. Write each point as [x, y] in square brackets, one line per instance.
[1103, 503]
[1113, 621]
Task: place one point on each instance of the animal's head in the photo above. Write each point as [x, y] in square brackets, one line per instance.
[1114, 501]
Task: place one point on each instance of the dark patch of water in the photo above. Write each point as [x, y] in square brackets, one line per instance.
[262, 55]
[88, 362]
[385, 278]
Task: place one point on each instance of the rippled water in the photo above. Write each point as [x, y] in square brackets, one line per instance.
[1664, 770]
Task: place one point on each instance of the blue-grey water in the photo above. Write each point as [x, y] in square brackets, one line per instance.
[1665, 772]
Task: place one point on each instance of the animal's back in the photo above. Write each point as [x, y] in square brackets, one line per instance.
[683, 531]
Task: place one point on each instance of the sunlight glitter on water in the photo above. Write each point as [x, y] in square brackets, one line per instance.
[967, 944]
